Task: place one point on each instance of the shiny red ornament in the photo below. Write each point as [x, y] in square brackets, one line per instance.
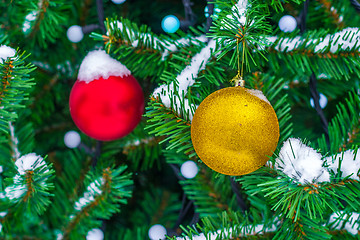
[107, 109]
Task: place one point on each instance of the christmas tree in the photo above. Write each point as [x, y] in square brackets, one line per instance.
[196, 119]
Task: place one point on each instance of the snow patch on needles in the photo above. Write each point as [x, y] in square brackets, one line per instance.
[185, 79]
[349, 166]
[17, 190]
[351, 225]
[240, 6]
[89, 196]
[98, 64]
[301, 162]
[305, 165]
[14, 142]
[6, 52]
[228, 233]
[344, 40]
[29, 162]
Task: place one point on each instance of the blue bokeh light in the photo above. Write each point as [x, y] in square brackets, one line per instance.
[170, 24]
[215, 12]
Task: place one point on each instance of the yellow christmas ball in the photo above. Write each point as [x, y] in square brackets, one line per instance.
[235, 130]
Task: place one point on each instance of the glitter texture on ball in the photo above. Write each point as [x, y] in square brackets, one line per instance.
[235, 130]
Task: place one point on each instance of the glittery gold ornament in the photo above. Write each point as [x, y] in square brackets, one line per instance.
[235, 130]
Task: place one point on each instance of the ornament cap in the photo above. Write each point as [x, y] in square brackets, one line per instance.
[239, 81]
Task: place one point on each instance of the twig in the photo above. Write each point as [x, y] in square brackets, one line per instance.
[100, 12]
[303, 15]
[190, 17]
[239, 198]
[356, 5]
[313, 81]
[209, 18]
[89, 28]
[184, 209]
[316, 96]
[97, 154]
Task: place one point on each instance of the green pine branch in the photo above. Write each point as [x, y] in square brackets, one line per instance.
[108, 191]
[14, 87]
[344, 127]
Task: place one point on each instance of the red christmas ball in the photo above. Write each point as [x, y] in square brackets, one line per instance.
[107, 109]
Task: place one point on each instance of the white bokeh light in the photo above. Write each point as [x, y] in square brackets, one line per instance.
[157, 232]
[72, 139]
[189, 169]
[323, 101]
[75, 34]
[287, 23]
[95, 234]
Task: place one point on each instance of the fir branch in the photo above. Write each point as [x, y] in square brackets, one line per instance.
[166, 122]
[107, 195]
[231, 225]
[43, 6]
[211, 193]
[141, 149]
[344, 127]
[289, 198]
[240, 26]
[209, 197]
[30, 188]
[300, 54]
[172, 95]
[49, 16]
[45, 89]
[15, 82]
[278, 4]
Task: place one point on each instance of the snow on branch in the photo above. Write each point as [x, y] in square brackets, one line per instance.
[306, 165]
[14, 142]
[25, 164]
[240, 9]
[351, 221]
[164, 46]
[348, 162]
[185, 79]
[301, 162]
[89, 196]
[29, 162]
[6, 52]
[344, 40]
[230, 233]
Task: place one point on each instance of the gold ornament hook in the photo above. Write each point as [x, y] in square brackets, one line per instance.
[238, 79]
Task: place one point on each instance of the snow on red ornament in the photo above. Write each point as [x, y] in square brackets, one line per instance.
[106, 102]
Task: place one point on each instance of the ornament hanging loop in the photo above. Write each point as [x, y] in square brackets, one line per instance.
[238, 79]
